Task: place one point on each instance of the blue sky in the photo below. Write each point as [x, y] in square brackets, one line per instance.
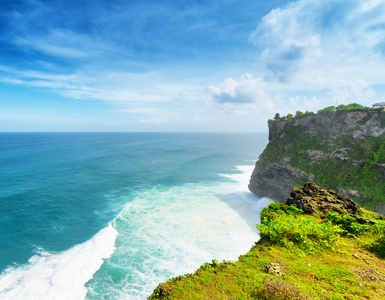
[184, 65]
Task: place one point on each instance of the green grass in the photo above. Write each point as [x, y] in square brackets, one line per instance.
[301, 234]
[335, 266]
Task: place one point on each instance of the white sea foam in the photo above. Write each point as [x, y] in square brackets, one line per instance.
[59, 275]
[165, 232]
[242, 177]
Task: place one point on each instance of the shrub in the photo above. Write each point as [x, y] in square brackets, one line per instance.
[278, 290]
[327, 109]
[299, 234]
[288, 209]
[347, 223]
[298, 113]
[352, 106]
[275, 209]
[379, 247]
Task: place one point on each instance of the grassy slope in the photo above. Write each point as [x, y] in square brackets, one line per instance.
[320, 260]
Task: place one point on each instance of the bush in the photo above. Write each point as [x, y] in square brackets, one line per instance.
[352, 106]
[275, 209]
[327, 109]
[288, 209]
[298, 113]
[379, 247]
[278, 290]
[347, 223]
[297, 233]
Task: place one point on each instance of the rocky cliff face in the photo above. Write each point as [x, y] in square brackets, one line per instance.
[344, 151]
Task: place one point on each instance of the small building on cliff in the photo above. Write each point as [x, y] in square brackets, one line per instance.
[277, 117]
[380, 106]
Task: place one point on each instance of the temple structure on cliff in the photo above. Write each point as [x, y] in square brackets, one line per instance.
[378, 106]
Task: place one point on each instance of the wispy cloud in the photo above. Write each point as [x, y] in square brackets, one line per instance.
[58, 43]
[161, 120]
[241, 95]
[104, 86]
[156, 60]
[316, 40]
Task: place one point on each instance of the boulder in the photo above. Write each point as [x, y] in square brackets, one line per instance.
[314, 200]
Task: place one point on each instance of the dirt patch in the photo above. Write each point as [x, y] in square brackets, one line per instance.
[370, 274]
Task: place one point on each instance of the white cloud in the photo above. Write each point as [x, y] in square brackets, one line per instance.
[240, 96]
[64, 44]
[156, 120]
[314, 54]
[162, 120]
[304, 104]
[103, 86]
[345, 92]
[315, 44]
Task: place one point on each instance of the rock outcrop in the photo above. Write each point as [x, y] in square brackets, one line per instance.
[342, 151]
[274, 268]
[314, 200]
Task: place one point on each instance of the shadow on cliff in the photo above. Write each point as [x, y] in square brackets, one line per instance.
[247, 205]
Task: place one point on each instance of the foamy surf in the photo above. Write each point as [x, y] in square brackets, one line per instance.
[58, 275]
[162, 232]
[169, 231]
[242, 177]
[178, 212]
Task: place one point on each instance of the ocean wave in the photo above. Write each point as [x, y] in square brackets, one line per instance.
[168, 231]
[58, 275]
[162, 232]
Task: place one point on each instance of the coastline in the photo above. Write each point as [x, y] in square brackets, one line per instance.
[330, 249]
[205, 235]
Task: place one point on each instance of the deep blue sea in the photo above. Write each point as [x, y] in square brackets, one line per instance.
[111, 215]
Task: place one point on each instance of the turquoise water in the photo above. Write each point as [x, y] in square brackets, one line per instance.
[110, 215]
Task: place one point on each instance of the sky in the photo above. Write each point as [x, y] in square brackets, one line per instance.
[186, 66]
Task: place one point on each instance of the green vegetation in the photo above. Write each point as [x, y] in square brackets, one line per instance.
[303, 235]
[347, 224]
[342, 162]
[298, 114]
[339, 108]
[327, 109]
[350, 107]
[315, 265]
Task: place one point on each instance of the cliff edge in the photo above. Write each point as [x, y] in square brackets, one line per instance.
[319, 245]
[340, 150]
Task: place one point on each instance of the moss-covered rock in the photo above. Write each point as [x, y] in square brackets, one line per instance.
[314, 200]
[339, 150]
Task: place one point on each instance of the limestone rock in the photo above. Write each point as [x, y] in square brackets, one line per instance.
[274, 268]
[312, 200]
[264, 180]
[350, 193]
[299, 145]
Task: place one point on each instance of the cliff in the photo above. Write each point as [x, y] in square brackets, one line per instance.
[340, 150]
[319, 245]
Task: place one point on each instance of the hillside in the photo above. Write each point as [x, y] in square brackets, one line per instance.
[318, 245]
[338, 148]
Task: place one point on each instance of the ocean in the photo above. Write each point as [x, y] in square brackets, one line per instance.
[111, 215]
